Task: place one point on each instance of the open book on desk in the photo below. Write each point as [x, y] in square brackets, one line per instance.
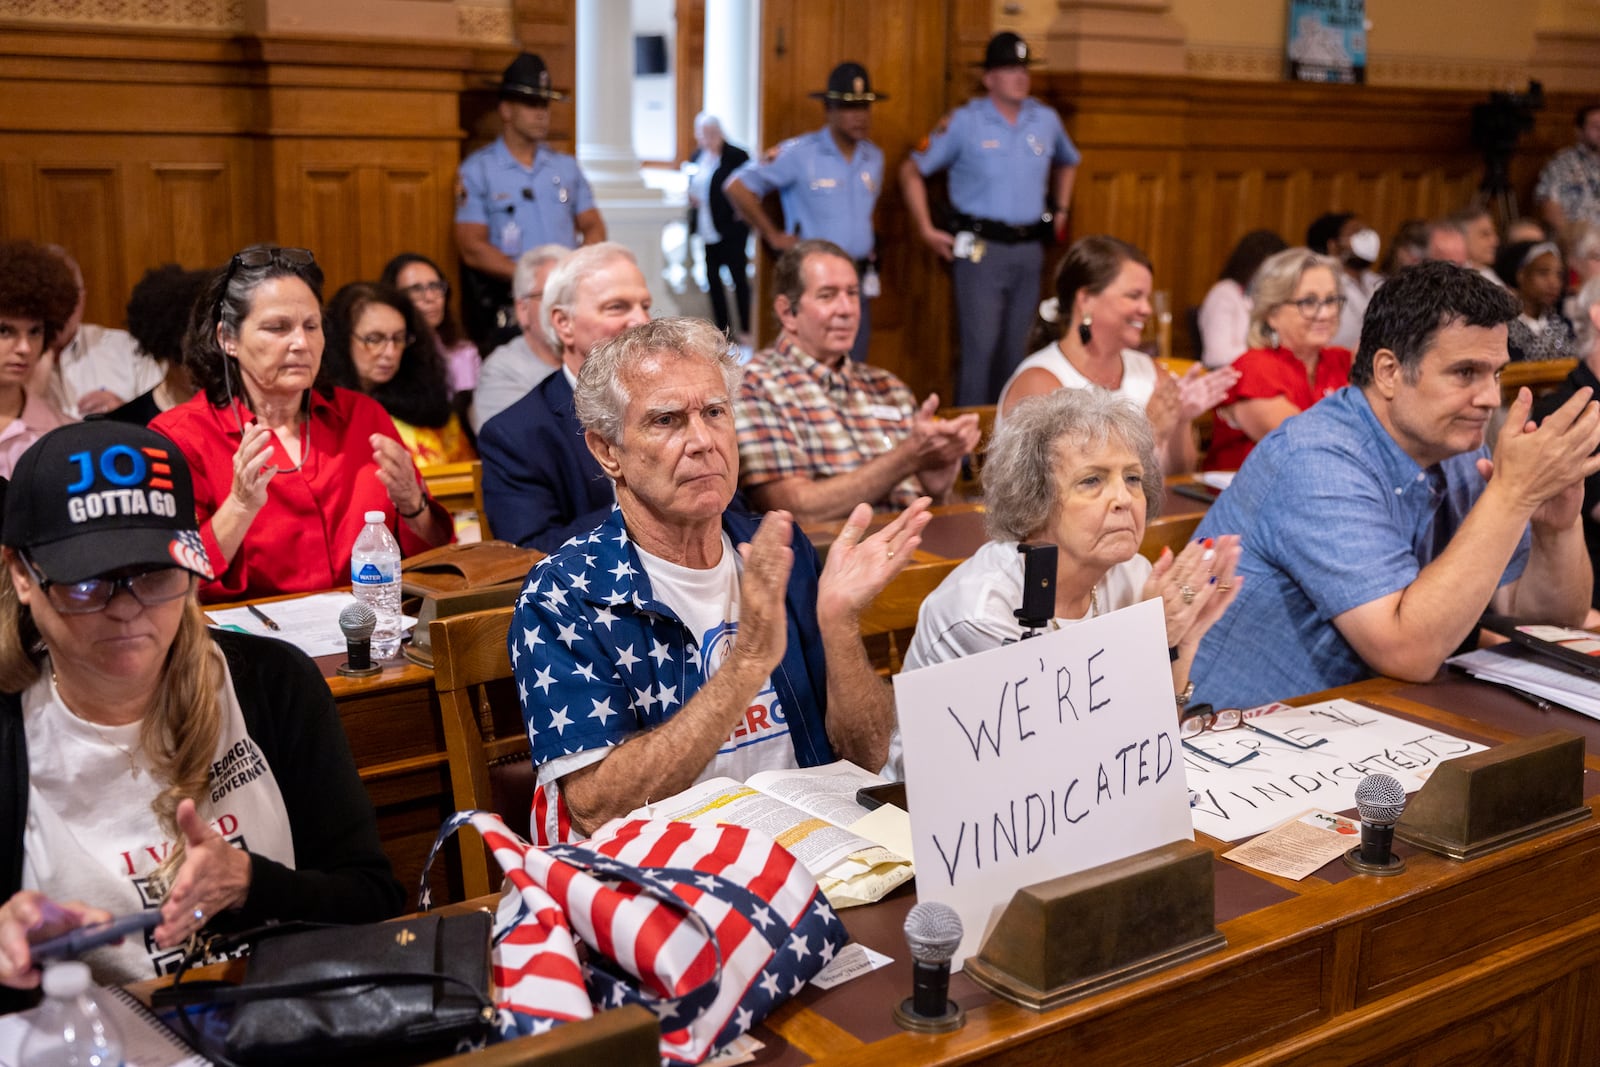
[857, 856]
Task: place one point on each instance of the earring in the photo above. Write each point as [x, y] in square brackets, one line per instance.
[1272, 337]
[1083, 329]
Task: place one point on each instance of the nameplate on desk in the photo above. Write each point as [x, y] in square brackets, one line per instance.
[1040, 759]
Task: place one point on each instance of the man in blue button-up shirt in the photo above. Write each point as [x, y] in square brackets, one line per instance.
[828, 182]
[1376, 529]
[1011, 167]
[518, 193]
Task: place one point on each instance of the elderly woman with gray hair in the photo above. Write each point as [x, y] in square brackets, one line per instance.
[1075, 469]
[1585, 307]
[1295, 305]
[680, 640]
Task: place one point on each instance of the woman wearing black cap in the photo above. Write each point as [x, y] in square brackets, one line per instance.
[152, 763]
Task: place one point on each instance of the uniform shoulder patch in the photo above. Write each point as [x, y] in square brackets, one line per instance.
[779, 149]
[938, 131]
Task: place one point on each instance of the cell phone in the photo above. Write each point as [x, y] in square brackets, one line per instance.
[75, 943]
[875, 796]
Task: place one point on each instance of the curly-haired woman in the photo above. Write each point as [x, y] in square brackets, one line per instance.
[37, 296]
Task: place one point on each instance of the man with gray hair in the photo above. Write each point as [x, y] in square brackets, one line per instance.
[1447, 242]
[529, 358]
[540, 484]
[679, 640]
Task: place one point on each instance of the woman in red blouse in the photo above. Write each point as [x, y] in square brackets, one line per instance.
[285, 465]
[1295, 312]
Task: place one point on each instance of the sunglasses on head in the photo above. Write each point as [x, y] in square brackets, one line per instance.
[253, 258]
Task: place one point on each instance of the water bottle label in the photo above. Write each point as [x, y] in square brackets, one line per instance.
[369, 574]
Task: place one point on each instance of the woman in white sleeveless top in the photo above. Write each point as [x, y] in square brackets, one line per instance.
[1101, 304]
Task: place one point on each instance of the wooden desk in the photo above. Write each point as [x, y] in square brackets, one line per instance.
[1494, 961]
[955, 531]
[396, 735]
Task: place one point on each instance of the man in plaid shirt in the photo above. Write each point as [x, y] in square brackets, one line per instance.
[819, 433]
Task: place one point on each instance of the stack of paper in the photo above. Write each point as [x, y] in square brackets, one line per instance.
[1533, 675]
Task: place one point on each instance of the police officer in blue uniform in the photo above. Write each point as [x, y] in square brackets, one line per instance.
[517, 194]
[1011, 168]
[827, 181]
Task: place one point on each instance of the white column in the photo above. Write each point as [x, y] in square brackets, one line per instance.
[635, 214]
[733, 69]
[605, 95]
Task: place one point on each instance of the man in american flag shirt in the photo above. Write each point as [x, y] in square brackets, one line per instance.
[680, 640]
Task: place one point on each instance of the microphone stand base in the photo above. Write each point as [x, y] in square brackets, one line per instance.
[1353, 860]
[365, 672]
[954, 1018]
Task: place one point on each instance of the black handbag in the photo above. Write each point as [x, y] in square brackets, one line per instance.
[403, 991]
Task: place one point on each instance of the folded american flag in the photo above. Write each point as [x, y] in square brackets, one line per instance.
[709, 927]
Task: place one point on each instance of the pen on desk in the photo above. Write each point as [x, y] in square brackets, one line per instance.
[258, 613]
[1537, 701]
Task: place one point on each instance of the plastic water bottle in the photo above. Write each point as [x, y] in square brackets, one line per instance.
[72, 1027]
[375, 581]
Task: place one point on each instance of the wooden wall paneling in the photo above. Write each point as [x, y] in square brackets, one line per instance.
[903, 44]
[329, 218]
[189, 209]
[689, 62]
[549, 28]
[79, 207]
[410, 204]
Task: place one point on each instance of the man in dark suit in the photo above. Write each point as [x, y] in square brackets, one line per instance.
[711, 216]
[541, 485]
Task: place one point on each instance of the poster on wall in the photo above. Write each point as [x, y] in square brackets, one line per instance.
[1327, 41]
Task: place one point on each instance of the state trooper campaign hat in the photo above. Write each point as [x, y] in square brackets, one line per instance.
[527, 80]
[1007, 50]
[92, 497]
[849, 84]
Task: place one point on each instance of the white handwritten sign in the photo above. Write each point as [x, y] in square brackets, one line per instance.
[1311, 757]
[1040, 759]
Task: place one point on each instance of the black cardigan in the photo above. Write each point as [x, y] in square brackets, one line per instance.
[730, 227]
[341, 874]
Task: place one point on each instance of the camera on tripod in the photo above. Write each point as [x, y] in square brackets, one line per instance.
[1496, 128]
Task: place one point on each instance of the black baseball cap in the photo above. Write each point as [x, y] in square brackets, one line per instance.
[527, 79]
[93, 497]
[849, 84]
[1007, 50]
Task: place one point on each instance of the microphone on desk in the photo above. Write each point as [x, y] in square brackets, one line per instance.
[357, 622]
[933, 932]
[1380, 798]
